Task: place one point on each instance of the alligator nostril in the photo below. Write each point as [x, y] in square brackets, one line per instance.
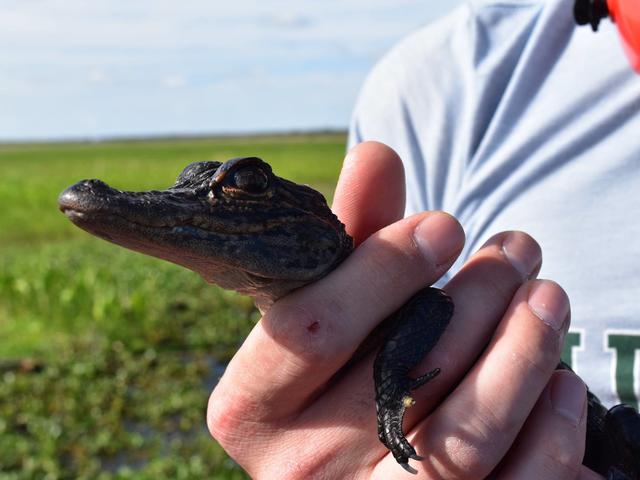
[68, 198]
[76, 194]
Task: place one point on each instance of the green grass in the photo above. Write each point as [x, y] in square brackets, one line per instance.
[52, 293]
[106, 356]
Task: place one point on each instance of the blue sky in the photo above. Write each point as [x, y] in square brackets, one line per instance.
[79, 69]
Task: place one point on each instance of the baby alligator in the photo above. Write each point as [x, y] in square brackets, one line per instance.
[243, 228]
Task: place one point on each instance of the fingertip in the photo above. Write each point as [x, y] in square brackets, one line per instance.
[523, 252]
[370, 193]
[440, 237]
[373, 150]
[520, 249]
[550, 303]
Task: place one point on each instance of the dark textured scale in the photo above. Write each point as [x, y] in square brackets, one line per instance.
[413, 331]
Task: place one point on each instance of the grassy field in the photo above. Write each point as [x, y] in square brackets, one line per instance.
[106, 356]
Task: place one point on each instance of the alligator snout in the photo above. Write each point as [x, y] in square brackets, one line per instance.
[83, 195]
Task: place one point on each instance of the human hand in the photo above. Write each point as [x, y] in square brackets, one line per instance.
[500, 411]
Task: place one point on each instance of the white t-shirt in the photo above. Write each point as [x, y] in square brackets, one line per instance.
[510, 117]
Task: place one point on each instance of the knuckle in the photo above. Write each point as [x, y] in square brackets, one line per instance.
[469, 451]
[227, 419]
[220, 422]
[244, 438]
[461, 459]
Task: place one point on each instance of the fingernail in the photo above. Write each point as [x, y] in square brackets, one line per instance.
[568, 396]
[549, 304]
[439, 237]
[523, 254]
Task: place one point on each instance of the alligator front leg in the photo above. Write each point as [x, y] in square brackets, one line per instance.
[417, 327]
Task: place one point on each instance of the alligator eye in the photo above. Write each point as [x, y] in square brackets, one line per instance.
[251, 180]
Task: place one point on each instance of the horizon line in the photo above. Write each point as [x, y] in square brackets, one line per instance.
[119, 138]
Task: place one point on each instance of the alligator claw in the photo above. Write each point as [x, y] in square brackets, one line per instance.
[409, 468]
[421, 380]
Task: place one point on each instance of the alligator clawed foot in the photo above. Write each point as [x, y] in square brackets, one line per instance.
[391, 406]
[417, 326]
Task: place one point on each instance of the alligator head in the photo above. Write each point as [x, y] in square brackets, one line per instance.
[235, 223]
